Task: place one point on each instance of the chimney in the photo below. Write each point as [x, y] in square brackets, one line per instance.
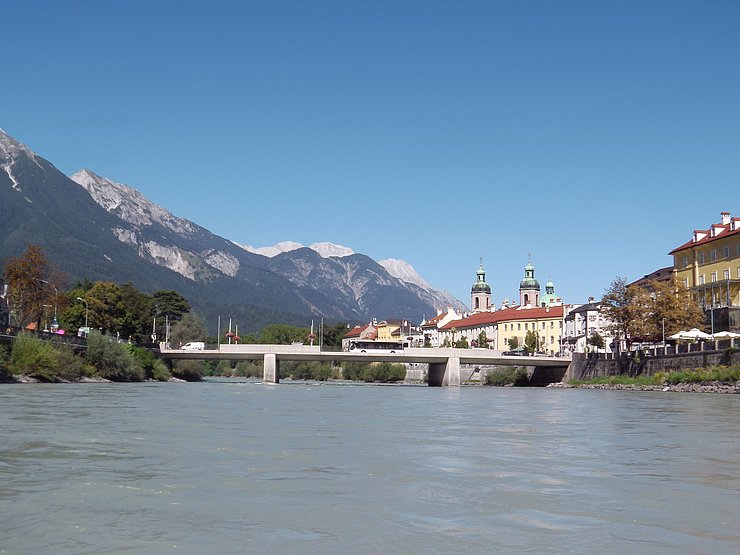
[725, 218]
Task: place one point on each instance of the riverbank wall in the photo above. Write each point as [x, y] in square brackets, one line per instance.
[589, 366]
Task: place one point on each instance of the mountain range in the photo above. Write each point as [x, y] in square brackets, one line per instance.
[92, 227]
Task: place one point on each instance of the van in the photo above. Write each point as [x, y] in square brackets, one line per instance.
[194, 346]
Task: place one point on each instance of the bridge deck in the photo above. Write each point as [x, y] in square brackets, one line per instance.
[410, 355]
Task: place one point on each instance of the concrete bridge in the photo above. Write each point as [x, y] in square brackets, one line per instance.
[444, 364]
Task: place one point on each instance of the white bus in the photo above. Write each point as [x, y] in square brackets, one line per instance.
[380, 347]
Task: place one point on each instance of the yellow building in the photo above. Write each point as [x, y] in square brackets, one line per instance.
[709, 265]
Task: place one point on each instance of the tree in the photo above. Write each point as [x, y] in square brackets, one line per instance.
[332, 335]
[170, 304]
[31, 285]
[597, 340]
[462, 343]
[639, 311]
[531, 341]
[513, 342]
[137, 311]
[483, 340]
[106, 308]
[282, 334]
[618, 303]
[671, 302]
[190, 328]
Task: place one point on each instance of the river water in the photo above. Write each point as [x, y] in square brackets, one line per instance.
[227, 467]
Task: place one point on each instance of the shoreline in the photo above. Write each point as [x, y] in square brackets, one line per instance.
[723, 388]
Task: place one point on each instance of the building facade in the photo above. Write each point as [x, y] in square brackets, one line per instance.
[709, 266]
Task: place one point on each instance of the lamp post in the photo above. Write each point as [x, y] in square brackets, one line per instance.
[663, 336]
[86, 310]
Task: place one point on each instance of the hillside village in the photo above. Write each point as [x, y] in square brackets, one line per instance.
[708, 266]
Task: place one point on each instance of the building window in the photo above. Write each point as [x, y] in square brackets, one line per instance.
[738, 248]
[686, 282]
[519, 327]
[738, 272]
[685, 262]
[561, 325]
[713, 255]
[714, 277]
[543, 325]
[727, 273]
[526, 325]
[552, 339]
[726, 252]
[701, 279]
[552, 324]
[701, 258]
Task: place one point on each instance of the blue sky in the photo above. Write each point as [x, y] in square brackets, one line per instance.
[595, 135]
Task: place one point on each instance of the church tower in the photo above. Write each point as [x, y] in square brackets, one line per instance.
[480, 293]
[529, 288]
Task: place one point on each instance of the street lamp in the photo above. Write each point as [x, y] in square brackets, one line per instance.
[86, 309]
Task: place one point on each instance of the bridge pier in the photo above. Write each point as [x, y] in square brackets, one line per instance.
[445, 374]
[271, 368]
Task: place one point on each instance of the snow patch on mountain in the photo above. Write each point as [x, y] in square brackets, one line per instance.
[129, 204]
[329, 250]
[269, 252]
[324, 250]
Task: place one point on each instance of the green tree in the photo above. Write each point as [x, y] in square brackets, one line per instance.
[137, 312]
[597, 341]
[332, 336]
[619, 307]
[170, 304]
[513, 342]
[462, 343]
[483, 340]
[282, 334]
[531, 341]
[105, 306]
[189, 328]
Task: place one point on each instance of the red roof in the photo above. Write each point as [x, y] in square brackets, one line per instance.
[726, 231]
[356, 331]
[505, 315]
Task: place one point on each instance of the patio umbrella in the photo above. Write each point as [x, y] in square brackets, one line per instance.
[725, 335]
[691, 335]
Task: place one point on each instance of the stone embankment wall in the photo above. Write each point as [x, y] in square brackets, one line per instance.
[586, 367]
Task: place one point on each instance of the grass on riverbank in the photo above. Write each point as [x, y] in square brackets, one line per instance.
[723, 374]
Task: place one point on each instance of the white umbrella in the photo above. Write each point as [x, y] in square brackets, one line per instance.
[725, 335]
[697, 334]
[693, 334]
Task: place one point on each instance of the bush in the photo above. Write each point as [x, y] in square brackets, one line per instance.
[515, 376]
[33, 357]
[188, 370]
[112, 360]
[71, 367]
[354, 371]
[385, 372]
[249, 369]
[154, 369]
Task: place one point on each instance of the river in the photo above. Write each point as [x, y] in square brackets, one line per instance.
[234, 467]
